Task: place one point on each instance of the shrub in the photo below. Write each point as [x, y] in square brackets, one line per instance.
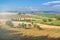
[32, 23]
[19, 25]
[22, 25]
[45, 19]
[49, 19]
[9, 23]
[29, 25]
[26, 26]
[19, 13]
[52, 19]
[37, 26]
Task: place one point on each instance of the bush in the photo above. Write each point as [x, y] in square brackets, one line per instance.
[49, 19]
[29, 25]
[9, 23]
[52, 19]
[45, 19]
[21, 25]
[37, 26]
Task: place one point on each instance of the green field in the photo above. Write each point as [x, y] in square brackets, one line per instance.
[53, 19]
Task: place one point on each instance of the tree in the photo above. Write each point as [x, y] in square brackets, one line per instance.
[37, 26]
[22, 25]
[19, 13]
[9, 23]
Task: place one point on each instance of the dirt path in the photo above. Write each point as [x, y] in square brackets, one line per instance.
[49, 26]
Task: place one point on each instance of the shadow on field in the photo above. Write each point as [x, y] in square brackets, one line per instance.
[18, 37]
[39, 38]
[4, 35]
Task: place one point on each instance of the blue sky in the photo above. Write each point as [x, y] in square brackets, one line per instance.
[29, 5]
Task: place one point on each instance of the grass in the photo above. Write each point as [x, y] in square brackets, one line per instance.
[46, 15]
[56, 23]
[44, 19]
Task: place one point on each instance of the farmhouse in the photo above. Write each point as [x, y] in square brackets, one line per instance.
[23, 17]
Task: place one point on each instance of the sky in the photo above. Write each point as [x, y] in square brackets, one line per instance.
[29, 5]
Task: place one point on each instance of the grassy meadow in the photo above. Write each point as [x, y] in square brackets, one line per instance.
[51, 19]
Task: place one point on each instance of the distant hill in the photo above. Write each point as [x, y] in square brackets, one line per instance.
[44, 12]
[9, 12]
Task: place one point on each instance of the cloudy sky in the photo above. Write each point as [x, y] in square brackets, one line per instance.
[29, 5]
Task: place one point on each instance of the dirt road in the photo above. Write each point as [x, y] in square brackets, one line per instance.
[49, 26]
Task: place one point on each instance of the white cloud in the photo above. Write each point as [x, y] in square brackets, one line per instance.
[52, 2]
[33, 9]
[56, 6]
[17, 8]
[30, 8]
